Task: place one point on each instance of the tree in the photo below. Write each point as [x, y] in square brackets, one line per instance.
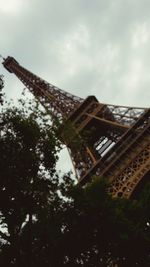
[28, 149]
[108, 231]
[48, 221]
[1, 87]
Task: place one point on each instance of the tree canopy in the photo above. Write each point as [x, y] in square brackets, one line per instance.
[46, 220]
[1, 87]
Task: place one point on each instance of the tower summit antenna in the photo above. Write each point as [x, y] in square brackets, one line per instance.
[114, 140]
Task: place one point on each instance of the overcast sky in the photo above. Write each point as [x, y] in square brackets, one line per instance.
[99, 47]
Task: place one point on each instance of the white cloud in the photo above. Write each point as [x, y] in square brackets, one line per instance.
[10, 6]
[87, 47]
[140, 35]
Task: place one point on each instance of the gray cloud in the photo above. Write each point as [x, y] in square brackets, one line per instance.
[88, 47]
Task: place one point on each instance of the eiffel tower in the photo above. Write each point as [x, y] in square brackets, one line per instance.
[114, 141]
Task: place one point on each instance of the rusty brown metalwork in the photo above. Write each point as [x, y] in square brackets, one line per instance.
[103, 140]
[58, 102]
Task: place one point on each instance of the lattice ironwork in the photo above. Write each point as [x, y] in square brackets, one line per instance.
[58, 102]
[105, 140]
[132, 174]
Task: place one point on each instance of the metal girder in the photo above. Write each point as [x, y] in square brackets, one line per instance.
[103, 140]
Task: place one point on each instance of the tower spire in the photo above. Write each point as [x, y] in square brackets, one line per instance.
[58, 102]
[105, 140]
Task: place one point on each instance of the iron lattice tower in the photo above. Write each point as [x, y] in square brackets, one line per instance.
[113, 141]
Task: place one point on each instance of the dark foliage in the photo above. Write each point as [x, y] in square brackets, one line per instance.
[1, 87]
[48, 220]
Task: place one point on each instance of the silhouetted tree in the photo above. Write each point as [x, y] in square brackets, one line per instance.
[1, 87]
[48, 221]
